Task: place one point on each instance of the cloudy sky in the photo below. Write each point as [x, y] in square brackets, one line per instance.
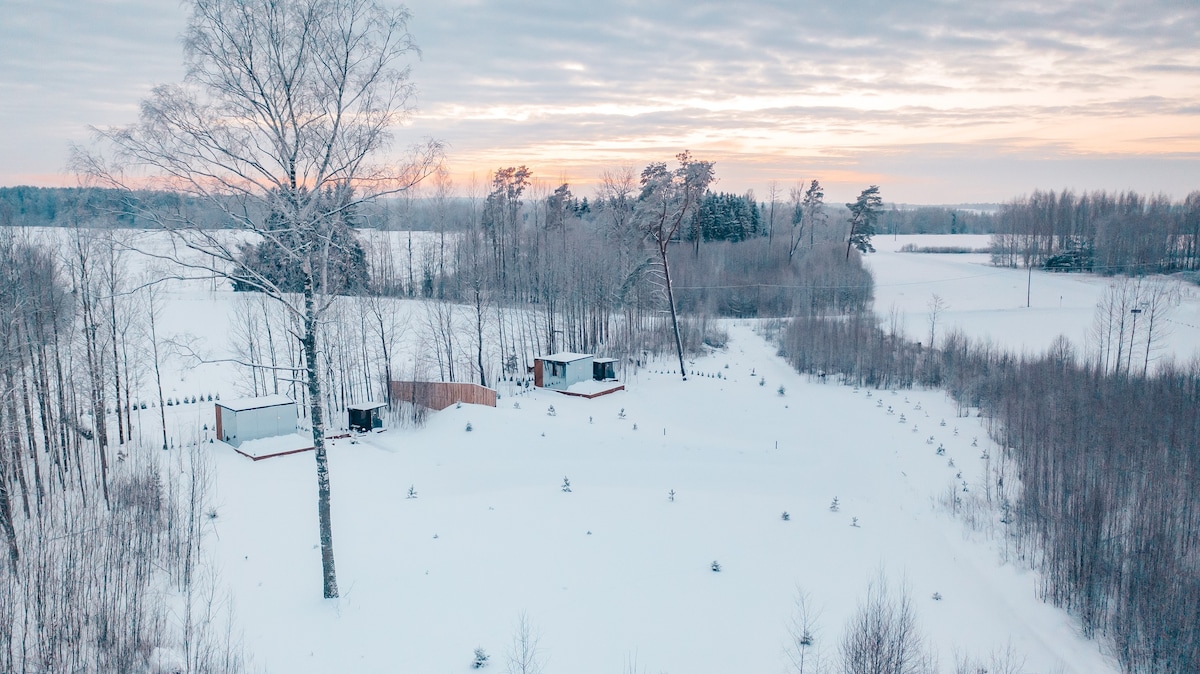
[937, 102]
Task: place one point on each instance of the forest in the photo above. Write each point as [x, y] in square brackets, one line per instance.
[1107, 233]
[98, 562]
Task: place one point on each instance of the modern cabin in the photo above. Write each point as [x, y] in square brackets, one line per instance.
[255, 418]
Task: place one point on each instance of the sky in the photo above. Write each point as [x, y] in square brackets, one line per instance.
[936, 102]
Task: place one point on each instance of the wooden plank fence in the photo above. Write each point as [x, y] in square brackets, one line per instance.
[438, 395]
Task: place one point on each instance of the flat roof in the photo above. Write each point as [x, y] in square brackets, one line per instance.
[243, 404]
[605, 360]
[366, 406]
[566, 357]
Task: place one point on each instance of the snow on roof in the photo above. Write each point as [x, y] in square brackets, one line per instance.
[366, 406]
[275, 445]
[242, 404]
[566, 357]
[591, 386]
[605, 360]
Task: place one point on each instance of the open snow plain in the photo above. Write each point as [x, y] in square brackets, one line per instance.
[989, 302]
[614, 576]
[615, 570]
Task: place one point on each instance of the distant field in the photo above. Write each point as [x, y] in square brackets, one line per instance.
[988, 302]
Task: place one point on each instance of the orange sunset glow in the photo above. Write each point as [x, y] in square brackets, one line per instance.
[970, 102]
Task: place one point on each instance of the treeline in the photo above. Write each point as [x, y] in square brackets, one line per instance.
[1118, 233]
[25, 206]
[757, 278]
[96, 533]
[1105, 504]
[937, 220]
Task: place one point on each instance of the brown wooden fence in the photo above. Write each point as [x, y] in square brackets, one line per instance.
[438, 395]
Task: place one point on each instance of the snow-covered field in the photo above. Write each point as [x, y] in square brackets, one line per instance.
[990, 302]
[615, 572]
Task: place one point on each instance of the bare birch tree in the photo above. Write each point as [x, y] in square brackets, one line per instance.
[668, 197]
[286, 106]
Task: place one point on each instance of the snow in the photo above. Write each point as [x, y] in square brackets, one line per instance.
[566, 357]
[273, 446]
[592, 387]
[614, 569]
[243, 404]
[989, 302]
[366, 406]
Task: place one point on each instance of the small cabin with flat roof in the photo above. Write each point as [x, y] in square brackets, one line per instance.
[577, 374]
[559, 370]
[364, 417]
[255, 418]
[604, 369]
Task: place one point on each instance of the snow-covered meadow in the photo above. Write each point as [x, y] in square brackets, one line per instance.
[616, 573]
[990, 302]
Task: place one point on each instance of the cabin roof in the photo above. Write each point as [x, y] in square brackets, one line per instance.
[366, 406]
[243, 404]
[566, 357]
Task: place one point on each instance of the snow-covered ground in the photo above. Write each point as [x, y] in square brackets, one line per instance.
[614, 571]
[990, 302]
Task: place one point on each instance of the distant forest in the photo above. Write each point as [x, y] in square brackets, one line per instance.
[1118, 233]
[722, 216]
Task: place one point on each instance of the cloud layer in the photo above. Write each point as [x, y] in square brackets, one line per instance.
[936, 101]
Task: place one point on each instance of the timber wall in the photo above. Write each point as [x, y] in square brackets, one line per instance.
[439, 395]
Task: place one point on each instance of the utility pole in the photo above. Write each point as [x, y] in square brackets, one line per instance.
[1132, 335]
